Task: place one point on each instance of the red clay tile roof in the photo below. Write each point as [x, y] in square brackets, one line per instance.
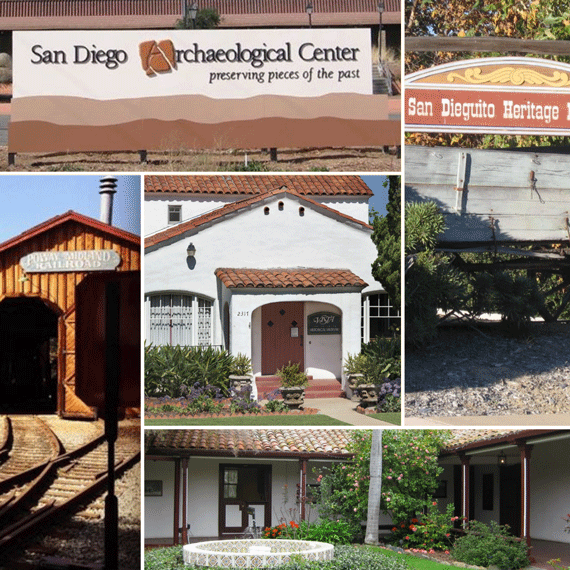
[64, 218]
[258, 184]
[234, 442]
[300, 277]
[120, 14]
[475, 438]
[180, 229]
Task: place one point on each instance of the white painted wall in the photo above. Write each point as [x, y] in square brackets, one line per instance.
[203, 498]
[255, 240]
[156, 207]
[550, 484]
[158, 511]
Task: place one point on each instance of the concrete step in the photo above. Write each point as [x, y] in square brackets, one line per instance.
[317, 388]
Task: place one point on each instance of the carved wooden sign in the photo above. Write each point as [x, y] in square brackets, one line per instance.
[506, 95]
[63, 261]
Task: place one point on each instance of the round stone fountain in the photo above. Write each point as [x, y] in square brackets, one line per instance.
[254, 553]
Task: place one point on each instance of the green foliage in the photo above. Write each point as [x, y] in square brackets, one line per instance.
[165, 559]
[170, 370]
[355, 363]
[386, 238]
[350, 558]
[325, 530]
[276, 406]
[291, 376]
[429, 531]
[206, 19]
[486, 545]
[241, 365]
[409, 477]
[383, 359]
[424, 223]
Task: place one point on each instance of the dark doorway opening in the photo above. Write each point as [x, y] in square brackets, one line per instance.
[28, 356]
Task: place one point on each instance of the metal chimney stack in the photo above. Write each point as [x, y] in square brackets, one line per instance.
[107, 186]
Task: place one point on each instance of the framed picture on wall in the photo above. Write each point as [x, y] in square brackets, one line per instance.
[152, 488]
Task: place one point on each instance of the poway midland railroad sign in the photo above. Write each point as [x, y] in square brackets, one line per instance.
[61, 261]
[510, 95]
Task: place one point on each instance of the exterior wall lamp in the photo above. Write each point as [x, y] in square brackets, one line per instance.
[191, 250]
[502, 459]
[309, 10]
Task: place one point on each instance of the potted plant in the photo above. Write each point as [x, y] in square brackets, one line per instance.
[240, 373]
[354, 368]
[293, 384]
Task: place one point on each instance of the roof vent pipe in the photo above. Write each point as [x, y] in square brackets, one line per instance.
[107, 188]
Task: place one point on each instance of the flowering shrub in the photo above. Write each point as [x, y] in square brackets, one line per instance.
[486, 545]
[282, 530]
[430, 531]
[389, 396]
[242, 403]
[410, 471]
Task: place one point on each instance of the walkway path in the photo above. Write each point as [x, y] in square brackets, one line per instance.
[344, 410]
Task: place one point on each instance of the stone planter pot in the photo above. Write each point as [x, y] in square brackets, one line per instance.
[294, 397]
[239, 382]
[368, 394]
[353, 380]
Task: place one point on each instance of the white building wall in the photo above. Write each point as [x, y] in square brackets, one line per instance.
[203, 494]
[255, 240]
[156, 207]
[550, 490]
[158, 511]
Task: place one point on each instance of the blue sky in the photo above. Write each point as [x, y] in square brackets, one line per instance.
[28, 200]
[380, 198]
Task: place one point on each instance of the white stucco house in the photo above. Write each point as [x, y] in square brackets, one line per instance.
[207, 478]
[274, 267]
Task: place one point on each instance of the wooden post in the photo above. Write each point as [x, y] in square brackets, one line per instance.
[176, 529]
[303, 488]
[525, 450]
[184, 499]
[465, 488]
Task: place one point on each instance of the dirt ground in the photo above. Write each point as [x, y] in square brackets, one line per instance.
[288, 160]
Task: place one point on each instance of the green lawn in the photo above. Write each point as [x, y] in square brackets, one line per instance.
[414, 561]
[289, 420]
[390, 417]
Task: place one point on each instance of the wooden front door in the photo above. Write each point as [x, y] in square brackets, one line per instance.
[282, 335]
[510, 497]
[244, 487]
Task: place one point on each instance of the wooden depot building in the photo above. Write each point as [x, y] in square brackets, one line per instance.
[40, 271]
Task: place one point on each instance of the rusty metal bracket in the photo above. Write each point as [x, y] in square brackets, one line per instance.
[532, 182]
[460, 183]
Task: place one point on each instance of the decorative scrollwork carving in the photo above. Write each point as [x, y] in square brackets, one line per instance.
[513, 75]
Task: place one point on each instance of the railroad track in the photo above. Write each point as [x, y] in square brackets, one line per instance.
[62, 483]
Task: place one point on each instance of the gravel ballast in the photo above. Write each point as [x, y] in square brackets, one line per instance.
[484, 372]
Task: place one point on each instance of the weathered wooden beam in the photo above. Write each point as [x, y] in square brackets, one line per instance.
[487, 44]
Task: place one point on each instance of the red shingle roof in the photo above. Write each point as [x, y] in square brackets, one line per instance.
[214, 215]
[64, 218]
[248, 442]
[258, 184]
[301, 277]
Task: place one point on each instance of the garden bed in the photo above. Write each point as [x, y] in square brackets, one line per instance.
[225, 412]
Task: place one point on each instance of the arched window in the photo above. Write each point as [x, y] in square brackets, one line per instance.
[176, 318]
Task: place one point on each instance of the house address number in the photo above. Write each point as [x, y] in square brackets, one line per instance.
[243, 313]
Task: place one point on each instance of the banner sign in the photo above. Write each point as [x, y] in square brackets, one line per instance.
[63, 261]
[512, 95]
[133, 90]
[324, 323]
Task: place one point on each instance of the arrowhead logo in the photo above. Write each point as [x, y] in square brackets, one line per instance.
[157, 57]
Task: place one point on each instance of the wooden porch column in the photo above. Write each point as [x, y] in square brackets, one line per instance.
[525, 450]
[184, 499]
[464, 488]
[303, 487]
[176, 500]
